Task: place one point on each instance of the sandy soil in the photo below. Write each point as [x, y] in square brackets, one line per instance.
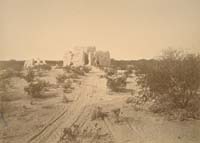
[43, 120]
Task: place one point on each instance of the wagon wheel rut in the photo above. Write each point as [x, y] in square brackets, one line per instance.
[79, 111]
[68, 117]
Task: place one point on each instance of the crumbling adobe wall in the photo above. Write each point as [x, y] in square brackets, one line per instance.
[75, 56]
[80, 56]
[103, 58]
[91, 55]
[34, 62]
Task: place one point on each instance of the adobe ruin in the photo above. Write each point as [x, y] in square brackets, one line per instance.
[33, 62]
[80, 56]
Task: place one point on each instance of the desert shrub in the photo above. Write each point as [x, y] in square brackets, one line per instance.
[36, 88]
[116, 82]
[46, 67]
[86, 69]
[78, 134]
[67, 69]
[5, 84]
[61, 78]
[9, 72]
[54, 63]
[173, 81]
[78, 70]
[67, 86]
[129, 70]
[5, 74]
[73, 76]
[98, 114]
[16, 66]
[110, 71]
[40, 73]
[30, 75]
[71, 134]
[43, 67]
[116, 113]
[58, 67]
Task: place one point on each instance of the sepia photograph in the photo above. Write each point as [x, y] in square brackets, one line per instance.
[99, 71]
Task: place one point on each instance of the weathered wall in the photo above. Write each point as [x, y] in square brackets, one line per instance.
[75, 56]
[103, 58]
[33, 62]
[80, 56]
[29, 63]
[91, 55]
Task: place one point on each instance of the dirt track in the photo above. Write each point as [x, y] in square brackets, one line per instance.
[135, 126]
[77, 113]
[90, 94]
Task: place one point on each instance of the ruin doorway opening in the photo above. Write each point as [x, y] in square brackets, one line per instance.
[86, 60]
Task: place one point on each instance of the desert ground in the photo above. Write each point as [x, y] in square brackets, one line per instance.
[51, 120]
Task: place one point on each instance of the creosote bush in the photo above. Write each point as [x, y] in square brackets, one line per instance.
[43, 67]
[30, 75]
[98, 114]
[110, 71]
[67, 86]
[172, 82]
[129, 70]
[14, 65]
[116, 82]
[79, 70]
[116, 113]
[61, 78]
[86, 69]
[36, 88]
[5, 84]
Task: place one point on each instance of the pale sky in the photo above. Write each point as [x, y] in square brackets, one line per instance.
[129, 29]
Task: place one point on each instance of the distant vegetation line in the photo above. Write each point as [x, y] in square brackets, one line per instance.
[18, 64]
[124, 63]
